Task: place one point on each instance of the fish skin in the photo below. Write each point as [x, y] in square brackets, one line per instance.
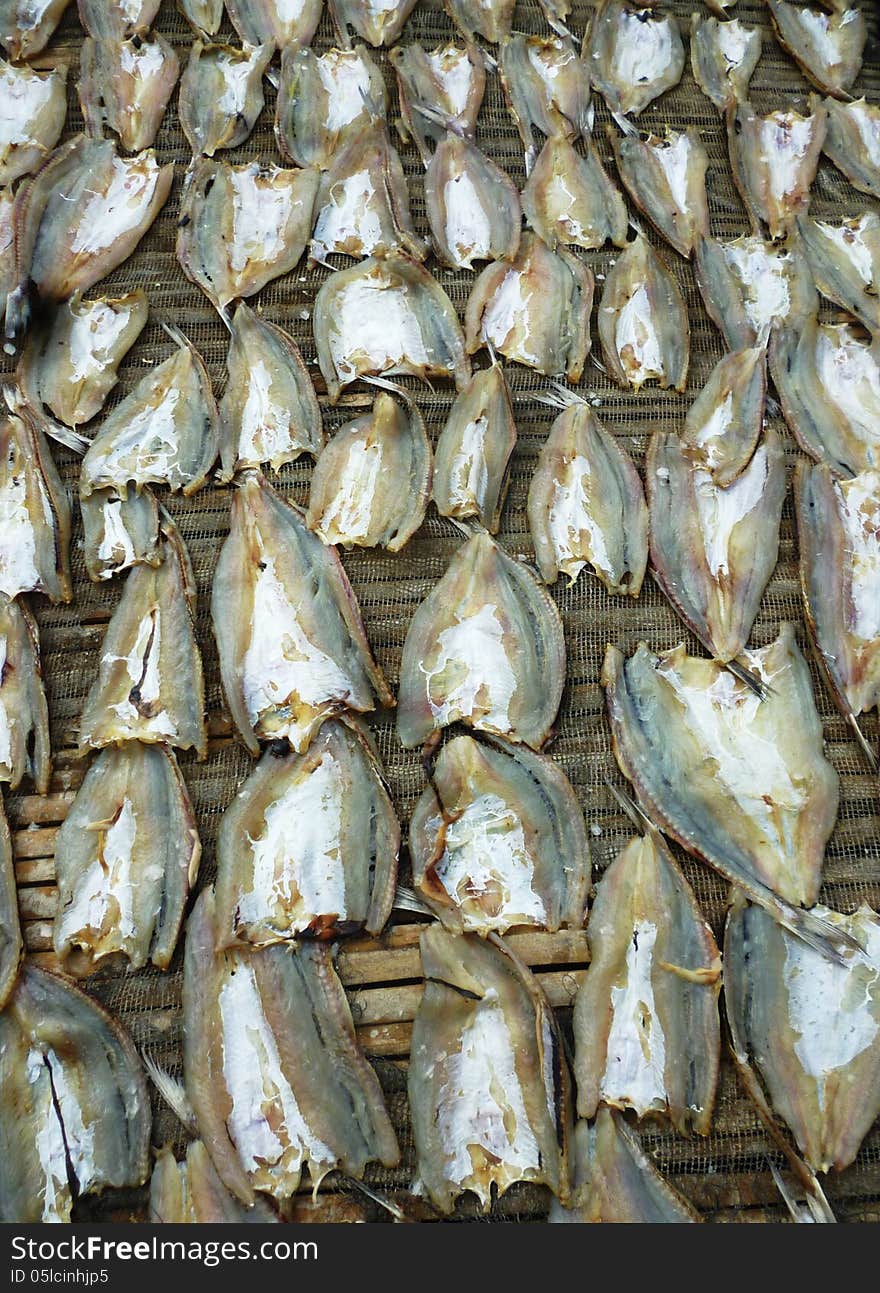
[527, 631]
[395, 498]
[204, 16]
[29, 482]
[106, 551]
[377, 23]
[527, 795]
[61, 1051]
[848, 149]
[641, 267]
[640, 166]
[643, 895]
[11, 943]
[9, 277]
[29, 138]
[114, 19]
[605, 43]
[315, 575]
[733, 303]
[757, 174]
[741, 377]
[490, 19]
[485, 402]
[309, 128]
[25, 748]
[27, 27]
[425, 78]
[547, 88]
[210, 78]
[614, 503]
[556, 309]
[126, 84]
[721, 80]
[261, 22]
[846, 28]
[191, 1192]
[569, 199]
[454, 160]
[838, 274]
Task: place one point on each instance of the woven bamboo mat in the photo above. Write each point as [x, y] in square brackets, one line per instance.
[726, 1174]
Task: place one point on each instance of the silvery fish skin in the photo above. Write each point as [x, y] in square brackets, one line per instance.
[388, 317]
[11, 945]
[126, 85]
[269, 412]
[490, 19]
[666, 179]
[24, 718]
[378, 22]
[165, 432]
[586, 506]
[9, 277]
[634, 54]
[643, 322]
[34, 109]
[484, 648]
[827, 47]
[191, 1193]
[738, 781]
[449, 80]
[845, 262]
[473, 453]
[646, 1027]
[221, 95]
[72, 365]
[723, 425]
[839, 545]
[276, 22]
[324, 100]
[242, 226]
[116, 19]
[126, 856]
[569, 199]
[810, 1025]
[362, 207]
[497, 840]
[489, 1088]
[204, 16]
[336, 872]
[75, 1111]
[372, 482]
[827, 377]
[120, 530]
[724, 56]
[750, 288]
[472, 205]
[272, 1065]
[150, 685]
[27, 25]
[774, 160]
[35, 535]
[535, 311]
[852, 141]
[616, 1181]
[291, 641]
[547, 87]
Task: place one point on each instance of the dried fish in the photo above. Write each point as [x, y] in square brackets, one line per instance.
[449, 80]
[309, 845]
[34, 109]
[11, 945]
[723, 425]
[27, 25]
[72, 365]
[737, 780]
[276, 22]
[324, 101]
[634, 54]
[75, 1114]
[9, 284]
[724, 56]
[535, 311]
[615, 1180]
[489, 1088]
[292, 646]
[191, 1192]
[811, 1025]
[852, 141]
[126, 85]
[386, 316]
[269, 411]
[362, 207]
[273, 1068]
[666, 178]
[827, 47]
[750, 288]
[372, 482]
[828, 381]
[119, 531]
[35, 514]
[242, 226]
[547, 87]
[150, 686]
[204, 16]
[24, 717]
[221, 95]
[570, 199]
[646, 1027]
[126, 856]
[586, 505]
[774, 160]
[378, 22]
[485, 648]
[643, 321]
[165, 432]
[472, 205]
[473, 453]
[497, 839]
[845, 262]
[116, 19]
[490, 19]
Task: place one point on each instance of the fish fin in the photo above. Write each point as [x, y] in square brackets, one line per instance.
[396, 1213]
[817, 933]
[817, 1212]
[628, 129]
[407, 900]
[761, 689]
[863, 742]
[559, 396]
[173, 1093]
